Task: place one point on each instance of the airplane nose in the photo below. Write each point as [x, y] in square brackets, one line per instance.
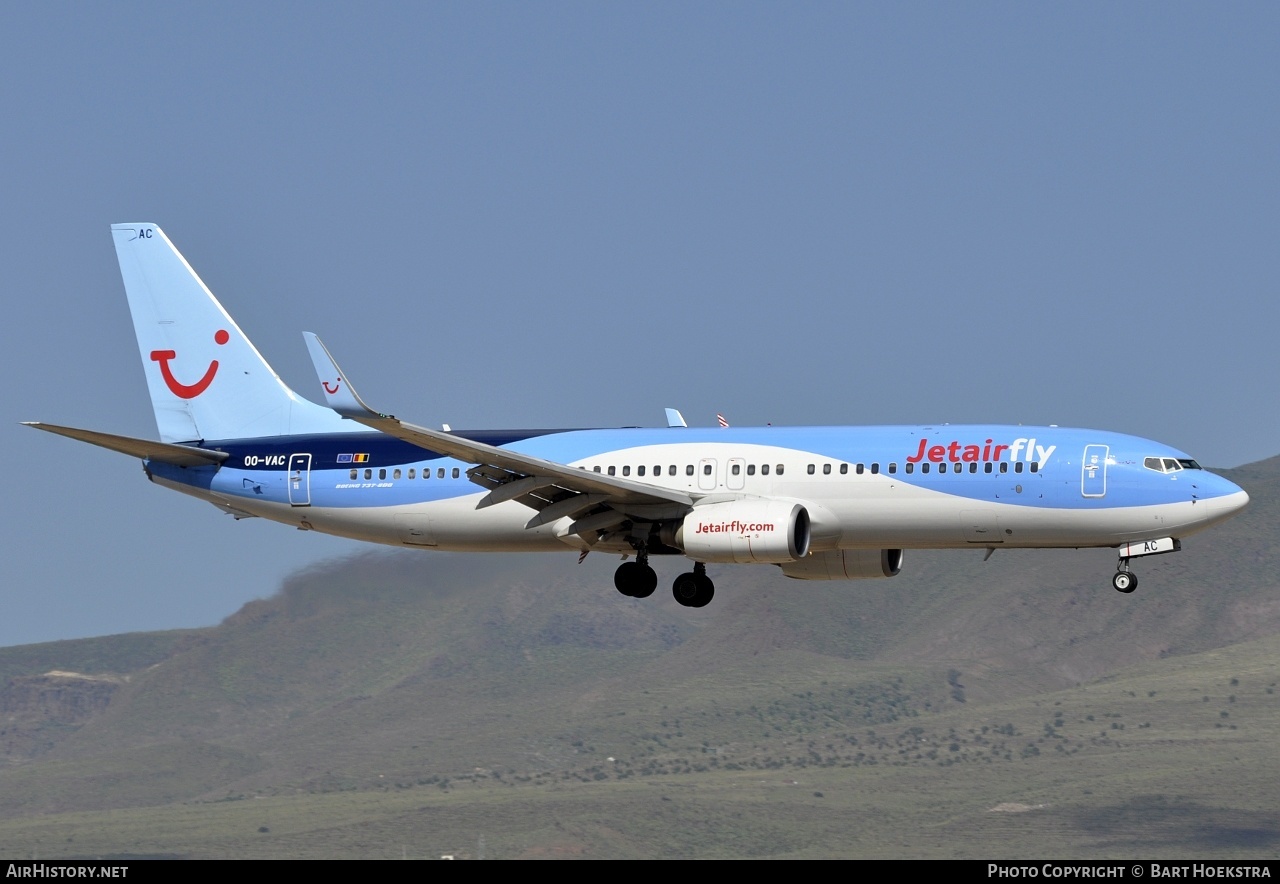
[1235, 501]
[1227, 499]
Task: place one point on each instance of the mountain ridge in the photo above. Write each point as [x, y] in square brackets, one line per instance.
[426, 669]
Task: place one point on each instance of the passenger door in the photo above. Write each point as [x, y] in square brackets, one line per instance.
[1093, 471]
[300, 479]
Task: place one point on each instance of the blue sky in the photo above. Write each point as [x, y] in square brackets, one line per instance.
[574, 214]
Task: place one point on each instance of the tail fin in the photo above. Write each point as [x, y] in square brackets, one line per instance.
[206, 379]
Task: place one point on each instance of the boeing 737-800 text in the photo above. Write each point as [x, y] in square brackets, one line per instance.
[822, 503]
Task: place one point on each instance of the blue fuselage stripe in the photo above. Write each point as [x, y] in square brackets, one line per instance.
[1063, 480]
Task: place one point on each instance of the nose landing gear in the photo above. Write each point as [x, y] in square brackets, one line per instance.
[1124, 580]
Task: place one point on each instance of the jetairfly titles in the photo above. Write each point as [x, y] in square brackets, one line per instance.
[957, 452]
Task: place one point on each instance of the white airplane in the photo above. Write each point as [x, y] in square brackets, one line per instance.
[821, 503]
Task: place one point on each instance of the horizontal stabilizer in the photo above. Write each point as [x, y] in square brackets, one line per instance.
[165, 452]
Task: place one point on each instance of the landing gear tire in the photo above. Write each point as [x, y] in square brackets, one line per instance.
[635, 580]
[693, 590]
[648, 582]
[1125, 581]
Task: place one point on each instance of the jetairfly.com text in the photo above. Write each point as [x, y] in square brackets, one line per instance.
[734, 527]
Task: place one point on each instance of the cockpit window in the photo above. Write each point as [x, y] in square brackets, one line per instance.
[1170, 464]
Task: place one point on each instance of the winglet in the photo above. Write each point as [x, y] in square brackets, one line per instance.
[675, 418]
[338, 392]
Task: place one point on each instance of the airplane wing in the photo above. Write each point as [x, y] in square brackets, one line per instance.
[165, 452]
[555, 490]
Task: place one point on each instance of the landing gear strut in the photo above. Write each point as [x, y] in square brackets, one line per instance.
[694, 589]
[636, 579]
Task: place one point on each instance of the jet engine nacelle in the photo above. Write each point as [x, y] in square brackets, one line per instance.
[846, 564]
[745, 531]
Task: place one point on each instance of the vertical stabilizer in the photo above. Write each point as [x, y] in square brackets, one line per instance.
[206, 379]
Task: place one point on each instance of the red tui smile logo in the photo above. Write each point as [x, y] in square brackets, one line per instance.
[188, 391]
[336, 384]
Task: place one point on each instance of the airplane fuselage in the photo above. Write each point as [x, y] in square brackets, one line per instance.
[941, 487]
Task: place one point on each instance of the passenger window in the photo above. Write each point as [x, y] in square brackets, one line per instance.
[657, 471]
[910, 468]
[973, 467]
[353, 475]
[751, 469]
[1035, 466]
[671, 470]
[779, 470]
[1017, 468]
[368, 474]
[875, 468]
[736, 469]
[440, 473]
[413, 474]
[764, 469]
[826, 469]
[612, 471]
[626, 470]
[986, 467]
[810, 469]
[455, 472]
[640, 470]
[596, 468]
[1004, 466]
[844, 469]
[382, 474]
[858, 469]
[688, 470]
[706, 469]
[396, 474]
[924, 467]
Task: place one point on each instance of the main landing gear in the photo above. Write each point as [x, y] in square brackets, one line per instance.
[637, 580]
[694, 589]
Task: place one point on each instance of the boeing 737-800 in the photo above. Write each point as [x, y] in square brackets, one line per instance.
[821, 503]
